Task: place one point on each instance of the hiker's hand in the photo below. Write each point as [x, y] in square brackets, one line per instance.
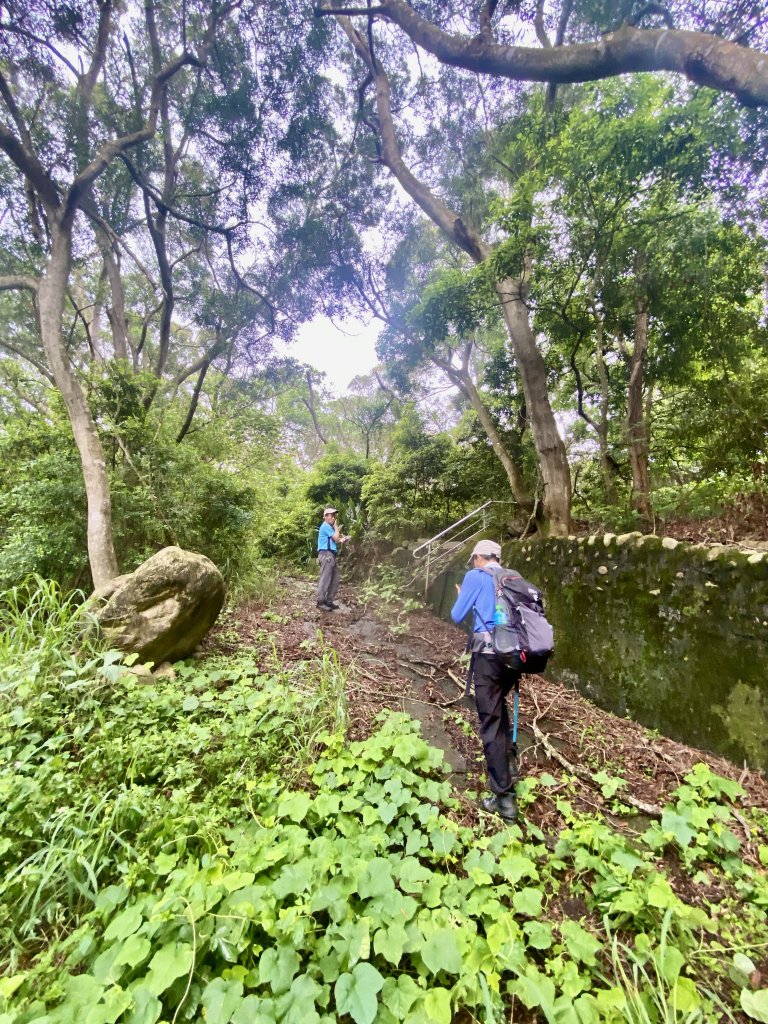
[458, 588]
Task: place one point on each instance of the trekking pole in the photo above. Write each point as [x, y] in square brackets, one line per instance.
[514, 717]
[512, 757]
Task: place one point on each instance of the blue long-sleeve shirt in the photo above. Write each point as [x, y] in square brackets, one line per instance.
[478, 594]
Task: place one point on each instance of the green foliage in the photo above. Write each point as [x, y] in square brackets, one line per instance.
[207, 494]
[336, 478]
[42, 502]
[39, 631]
[211, 846]
[388, 585]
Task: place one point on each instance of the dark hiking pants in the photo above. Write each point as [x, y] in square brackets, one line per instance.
[328, 583]
[493, 681]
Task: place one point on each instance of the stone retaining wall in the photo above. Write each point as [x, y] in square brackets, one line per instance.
[671, 634]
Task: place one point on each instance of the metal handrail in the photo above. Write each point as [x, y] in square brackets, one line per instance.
[445, 545]
[448, 529]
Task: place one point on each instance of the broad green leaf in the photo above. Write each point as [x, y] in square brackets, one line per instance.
[534, 989]
[304, 993]
[9, 985]
[581, 945]
[412, 874]
[660, 893]
[684, 996]
[115, 1001]
[133, 951]
[441, 952]
[755, 1004]
[669, 961]
[146, 1007]
[443, 842]
[169, 963]
[165, 863]
[220, 999]
[515, 866]
[676, 827]
[126, 922]
[294, 879]
[294, 806]
[278, 968]
[609, 999]
[377, 879]
[587, 1009]
[252, 1010]
[437, 1006]
[626, 859]
[539, 934]
[390, 943]
[528, 902]
[354, 940]
[399, 994]
[356, 993]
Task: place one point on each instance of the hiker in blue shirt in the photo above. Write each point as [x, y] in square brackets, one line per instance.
[328, 536]
[493, 679]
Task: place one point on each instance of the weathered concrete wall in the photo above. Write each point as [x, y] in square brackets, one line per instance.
[673, 635]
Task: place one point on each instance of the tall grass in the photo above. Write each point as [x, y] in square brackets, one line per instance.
[40, 627]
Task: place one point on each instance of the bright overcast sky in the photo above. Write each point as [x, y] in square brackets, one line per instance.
[340, 350]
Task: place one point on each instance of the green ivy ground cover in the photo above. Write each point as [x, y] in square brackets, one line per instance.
[211, 849]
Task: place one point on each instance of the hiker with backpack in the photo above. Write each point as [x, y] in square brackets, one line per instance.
[510, 635]
[328, 537]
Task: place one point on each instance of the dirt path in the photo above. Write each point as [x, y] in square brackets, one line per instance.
[411, 662]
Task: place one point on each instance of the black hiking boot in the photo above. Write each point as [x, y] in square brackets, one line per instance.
[503, 804]
[324, 606]
[334, 607]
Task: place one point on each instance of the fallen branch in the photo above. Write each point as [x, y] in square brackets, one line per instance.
[652, 810]
[461, 683]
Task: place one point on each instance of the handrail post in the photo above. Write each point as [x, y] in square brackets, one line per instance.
[426, 581]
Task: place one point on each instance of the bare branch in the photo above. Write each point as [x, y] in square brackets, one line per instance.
[538, 24]
[486, 18]
[702, 57]
[19, 31]
[653, 8]
[311, 406]
[349, 12]
[19, 282]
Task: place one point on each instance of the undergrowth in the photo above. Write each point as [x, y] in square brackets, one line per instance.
[211, 848]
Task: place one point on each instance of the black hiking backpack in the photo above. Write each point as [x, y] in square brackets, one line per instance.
[525, 640]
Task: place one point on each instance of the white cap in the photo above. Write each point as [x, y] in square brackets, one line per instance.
[330, 511]
[486, 548]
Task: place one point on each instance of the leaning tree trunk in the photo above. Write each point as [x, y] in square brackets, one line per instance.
[553, 463]
[550, 449]
[607, 465]
[50, 296]
[637, 427]
[517, 485]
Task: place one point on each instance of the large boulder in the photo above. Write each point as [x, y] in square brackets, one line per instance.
[164, 609]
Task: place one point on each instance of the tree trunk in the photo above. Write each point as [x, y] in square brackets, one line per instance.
[553, 463]
[51, 295]
[637, 431]
[607, 465]
[517, 485]
[550, 449]
[116, 310]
